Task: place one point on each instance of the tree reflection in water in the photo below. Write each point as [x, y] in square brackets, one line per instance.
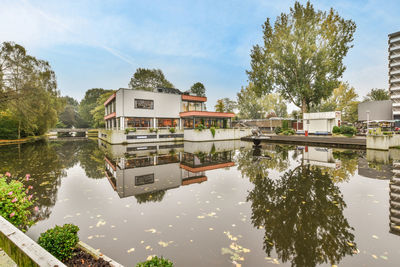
[47, 163]
[301, 211]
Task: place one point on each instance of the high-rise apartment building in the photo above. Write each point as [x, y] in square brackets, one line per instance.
[394, 72]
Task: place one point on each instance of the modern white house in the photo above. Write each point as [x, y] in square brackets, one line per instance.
[166, 114]
[168, 107]
[321, 122]
[394, 72]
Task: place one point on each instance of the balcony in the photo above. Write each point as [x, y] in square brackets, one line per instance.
[396, 105]
[395, 39]
[394, 56]
[394, 72]
[396, 112]
[395, 64]
[394, 47]
[394, 80]
[394, 88]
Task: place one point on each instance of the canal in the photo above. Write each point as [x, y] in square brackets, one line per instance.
[218, 204]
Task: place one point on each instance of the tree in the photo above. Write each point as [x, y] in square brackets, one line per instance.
[344, 99]
[149, 80]
[98, 111]
[28, 90]
[302, 55]
[220, 106]
[88, 103]
[198, 89]
[69, 116]
[252, 107]
[377, 95]
[229, 105]
[225, 105]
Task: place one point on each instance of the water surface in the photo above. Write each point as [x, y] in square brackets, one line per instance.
[218, 204]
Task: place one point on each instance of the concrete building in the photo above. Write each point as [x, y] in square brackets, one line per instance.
[394, 72]
[375, 111]
[321, 122]
[164, 108]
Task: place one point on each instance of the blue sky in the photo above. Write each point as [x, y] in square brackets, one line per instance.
[93, 44]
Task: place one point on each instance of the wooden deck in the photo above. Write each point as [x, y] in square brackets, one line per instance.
[356, 142]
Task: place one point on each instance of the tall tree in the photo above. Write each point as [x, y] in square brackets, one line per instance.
[88, 103]
[98, 111]
[149, 80]
[302, 55]
[377, 95]
[344, 99]
[229, 105]
[220, 106]
[198, 89]
[28, 90]
[69, 116]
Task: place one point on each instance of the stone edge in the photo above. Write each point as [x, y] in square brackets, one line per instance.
[97, 254]
[26, 247]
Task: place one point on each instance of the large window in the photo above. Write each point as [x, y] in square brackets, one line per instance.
[144, 104]
[192, 106]
[167, 123]
[138, 122]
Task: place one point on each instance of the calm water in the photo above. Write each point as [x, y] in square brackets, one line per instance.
[218, 204]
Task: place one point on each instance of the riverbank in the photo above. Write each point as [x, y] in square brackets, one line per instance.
[22, 140]
[349, 142]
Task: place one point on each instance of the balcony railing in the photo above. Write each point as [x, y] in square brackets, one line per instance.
[392, 40]
[394, 56]
[395, 47]
[395, 64]
[393, 72]
[396, 80]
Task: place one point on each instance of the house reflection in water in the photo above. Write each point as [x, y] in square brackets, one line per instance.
[321, 157]
[146, 171]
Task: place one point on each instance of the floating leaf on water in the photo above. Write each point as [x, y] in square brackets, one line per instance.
[100, 223]
[115, 238]
[374, 236]
[241, 203]
[374, 256]
[152, 230]
[384, 257]
[200, 217]
[165, 244]
[211, 229]
[90, 237]
[148, 247]
[350, 244]
[170, 225]
[130, 250]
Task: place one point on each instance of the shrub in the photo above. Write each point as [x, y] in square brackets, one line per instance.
[348, 130]
[15, 202]
[336, 129]
[200, 127]
[127, 130]
[389, 133]
[172, 130]
[278, 130]
[60, 241]
[289, 132]
[212, 130]
[155, 262]
[153, 130]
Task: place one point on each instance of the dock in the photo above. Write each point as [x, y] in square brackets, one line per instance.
[350, 142]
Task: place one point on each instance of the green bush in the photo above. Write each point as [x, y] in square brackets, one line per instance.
[278, 130]
[127, 130]
[60, 241]
[336, 129]
[285, 125]
[8, 126]
[212, 130]
[15, 203]
[172, 130]
[388, 133]
[348, 130]
[153, 130]
[289, 132]
[156, 262]
[200, 127]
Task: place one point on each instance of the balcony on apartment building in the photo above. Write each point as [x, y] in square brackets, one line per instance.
[394, 47]
[395, 39]
[395, 71]
[394, 64]
[395, 56]
[395, 80]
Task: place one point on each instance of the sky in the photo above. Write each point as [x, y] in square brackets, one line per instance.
[100, 44]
